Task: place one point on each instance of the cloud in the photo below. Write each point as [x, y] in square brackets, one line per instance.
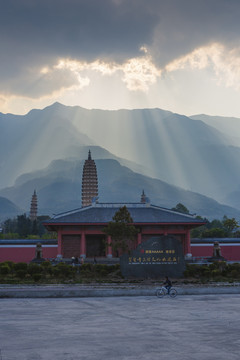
[224, 62]
[137, 73]
[114, 29]
[189, 24]
[52, 46]
[77, 28]
[140, 73]
[39, 82]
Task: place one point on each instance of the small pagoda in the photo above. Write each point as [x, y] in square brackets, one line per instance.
[34, 207]
[89, 181]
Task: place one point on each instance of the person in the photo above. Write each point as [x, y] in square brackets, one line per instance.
[167, 284]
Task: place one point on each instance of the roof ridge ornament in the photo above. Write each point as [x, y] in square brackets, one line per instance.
[89, 155]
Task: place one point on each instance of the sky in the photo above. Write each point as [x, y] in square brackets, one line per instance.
[177, 55]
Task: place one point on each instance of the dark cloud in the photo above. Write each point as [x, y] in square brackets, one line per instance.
[80, 28]
[38, 32]
[187, 24]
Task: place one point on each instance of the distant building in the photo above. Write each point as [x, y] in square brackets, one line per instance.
[80, 231]
[34, 207]
[89, 181]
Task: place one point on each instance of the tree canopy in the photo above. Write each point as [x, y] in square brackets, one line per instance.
[181, 208]
[22, 227]
[217, 229]
[121, 230]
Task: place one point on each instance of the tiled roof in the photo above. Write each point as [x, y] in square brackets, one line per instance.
[140, 213]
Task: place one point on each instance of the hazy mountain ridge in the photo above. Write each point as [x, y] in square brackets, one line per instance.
[32, 141]
[59, 189]
[8, 209]
[230, 126]
[79, 153]
[170, 147]
[175, 148]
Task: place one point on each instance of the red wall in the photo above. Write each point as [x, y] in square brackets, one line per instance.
[230, 252]
[21, 253]
[26, 253]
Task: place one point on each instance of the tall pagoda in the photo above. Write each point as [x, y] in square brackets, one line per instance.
[33, 209]
[89, 181]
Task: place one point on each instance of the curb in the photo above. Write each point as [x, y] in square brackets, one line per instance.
[72, 293]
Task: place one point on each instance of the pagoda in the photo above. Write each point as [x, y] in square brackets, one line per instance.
[33, 209]
[143, 198]
[89, 181]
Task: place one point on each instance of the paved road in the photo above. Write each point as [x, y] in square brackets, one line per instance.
[128, 328]
[98, 290]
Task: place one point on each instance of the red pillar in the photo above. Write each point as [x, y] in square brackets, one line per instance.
[139, 238]
[83, 245]
[109, 247]
[59, 250]
[187, 249]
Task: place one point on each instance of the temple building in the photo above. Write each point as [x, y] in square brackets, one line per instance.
[89, 181]
[34, 207]
[80, 231]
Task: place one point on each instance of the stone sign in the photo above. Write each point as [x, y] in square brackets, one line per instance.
[157, 257]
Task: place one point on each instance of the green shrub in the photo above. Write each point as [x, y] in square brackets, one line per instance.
[4, 269]
[34, 268]
[64, 270]
[46, 265]
[215, 272]
[218, 265]
[186, 273]
[36, 277]
[87, 267]
[104, 272]
[47, 268]
[21, 273]
[205, 271]
[99, 267]
[9, 263]
[56, 272]
[20, 266]
[235, 266]
[193, 270]
[234, 274]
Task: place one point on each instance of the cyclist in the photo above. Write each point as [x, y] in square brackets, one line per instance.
[167, 284]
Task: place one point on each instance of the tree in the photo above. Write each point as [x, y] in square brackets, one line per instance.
[181, 208]
[121, 230]
[230, 225]
[10, 226]
[24, 225]
[214, 233]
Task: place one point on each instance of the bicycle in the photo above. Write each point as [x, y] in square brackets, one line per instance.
[163, 291]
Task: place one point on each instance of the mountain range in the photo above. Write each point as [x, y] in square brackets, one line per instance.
[172, 157]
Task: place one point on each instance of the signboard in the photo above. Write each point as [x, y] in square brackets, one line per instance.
[157, 257]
